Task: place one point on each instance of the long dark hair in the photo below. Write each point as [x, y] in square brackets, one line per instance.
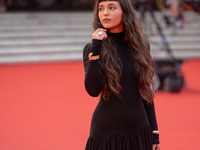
[139, 50]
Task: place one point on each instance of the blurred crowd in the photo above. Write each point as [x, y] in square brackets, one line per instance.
[176, 7]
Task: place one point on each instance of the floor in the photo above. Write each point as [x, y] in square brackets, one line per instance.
[45, 107]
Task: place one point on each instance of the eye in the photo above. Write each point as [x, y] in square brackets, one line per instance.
[100, 8]
[112, 8]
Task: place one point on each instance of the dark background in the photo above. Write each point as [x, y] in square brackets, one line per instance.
[55, 5]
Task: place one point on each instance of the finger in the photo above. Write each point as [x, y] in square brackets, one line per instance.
[104, 35]
[158, 147]
[100, 30]
[99, 34]
[154, 147]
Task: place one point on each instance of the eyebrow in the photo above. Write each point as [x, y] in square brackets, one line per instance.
[108, 4]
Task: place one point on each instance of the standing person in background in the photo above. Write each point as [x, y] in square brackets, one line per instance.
[176, 17]
[144, 6]
[118, 67]
[177, 9]
[41, 3]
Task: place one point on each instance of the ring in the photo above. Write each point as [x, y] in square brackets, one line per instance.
[100, 33]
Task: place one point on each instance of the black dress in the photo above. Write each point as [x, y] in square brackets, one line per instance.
[124, 123]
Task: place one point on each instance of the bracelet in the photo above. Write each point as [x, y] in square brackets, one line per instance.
[93, 57]
[156, 132]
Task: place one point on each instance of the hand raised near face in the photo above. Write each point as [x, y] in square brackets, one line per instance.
[99, 34]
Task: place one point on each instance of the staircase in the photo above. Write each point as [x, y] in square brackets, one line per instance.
[49, 37]
[184, 42]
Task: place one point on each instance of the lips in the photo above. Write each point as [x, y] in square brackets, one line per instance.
[106, 20]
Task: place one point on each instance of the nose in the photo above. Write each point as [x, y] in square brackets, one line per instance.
[106, 13]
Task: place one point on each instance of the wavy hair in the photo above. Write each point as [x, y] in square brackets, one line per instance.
[139, 51]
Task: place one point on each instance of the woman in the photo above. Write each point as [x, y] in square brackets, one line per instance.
[118, 67]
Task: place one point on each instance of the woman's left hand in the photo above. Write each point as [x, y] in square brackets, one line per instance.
[156, 146]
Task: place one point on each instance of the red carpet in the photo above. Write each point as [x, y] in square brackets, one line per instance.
[45, 107]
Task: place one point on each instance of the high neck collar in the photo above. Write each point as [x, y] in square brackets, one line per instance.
[118, 36]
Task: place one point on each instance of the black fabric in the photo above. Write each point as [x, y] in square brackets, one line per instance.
[96, 47]
[124, 123]
[141, 140]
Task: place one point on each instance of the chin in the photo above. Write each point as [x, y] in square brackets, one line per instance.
[107, 27]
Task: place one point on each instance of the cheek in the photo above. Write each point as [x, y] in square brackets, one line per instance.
[118, 17]
[100, 17]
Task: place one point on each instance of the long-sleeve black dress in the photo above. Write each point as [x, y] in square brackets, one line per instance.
[124, 123]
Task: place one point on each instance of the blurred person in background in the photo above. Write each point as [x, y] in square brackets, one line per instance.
[177, 9]
[9, 2]
[144, 6]
[41, 3]
[177, 13]
[118, 67]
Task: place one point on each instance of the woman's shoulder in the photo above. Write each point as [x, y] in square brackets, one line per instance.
[87, 47]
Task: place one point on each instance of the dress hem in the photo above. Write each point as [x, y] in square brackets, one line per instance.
[140, 140]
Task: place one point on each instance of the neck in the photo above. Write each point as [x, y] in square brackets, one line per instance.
[117, 29]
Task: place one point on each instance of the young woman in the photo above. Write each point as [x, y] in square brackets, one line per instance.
[118, 67]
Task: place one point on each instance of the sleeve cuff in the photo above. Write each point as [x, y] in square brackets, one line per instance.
[156, 139]
[96, 47]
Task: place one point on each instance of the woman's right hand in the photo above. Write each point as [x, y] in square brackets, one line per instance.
[156, 147]
[99, 34]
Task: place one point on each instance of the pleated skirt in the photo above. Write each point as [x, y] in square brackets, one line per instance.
[141, 139]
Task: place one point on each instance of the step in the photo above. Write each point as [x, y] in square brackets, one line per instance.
[12, 50]
[45, 41]
[86, 31]
[39, 34]
[176, 32]
[37, 58]
[56, 18]
[177, 54]
[163, 25]
[178, 38]
[37, 23]
[83, 38]
[74, 15]
[45, 27]
[178, 47]
[189, 15]
[47, 15]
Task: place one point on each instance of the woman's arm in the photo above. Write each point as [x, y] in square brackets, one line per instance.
[150, 110]
[93, 83]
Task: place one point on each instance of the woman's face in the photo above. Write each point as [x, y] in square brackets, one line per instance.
[110, 16]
